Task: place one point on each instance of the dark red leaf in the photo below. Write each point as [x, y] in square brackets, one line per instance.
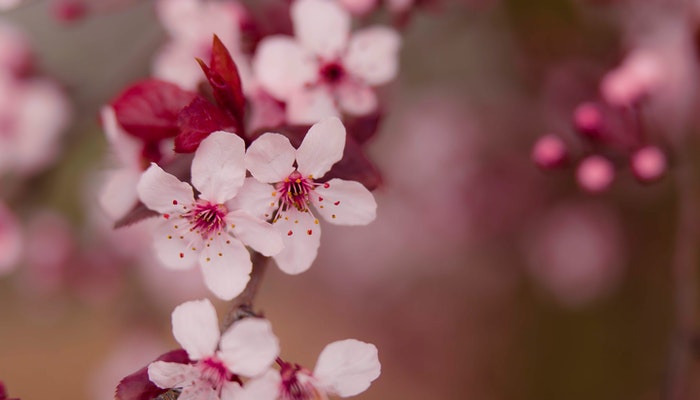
[137, 386]
[197, 121]
[222, 63]
[148, 109]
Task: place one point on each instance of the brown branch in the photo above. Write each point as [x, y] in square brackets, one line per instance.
[684, 276]
[242, 306]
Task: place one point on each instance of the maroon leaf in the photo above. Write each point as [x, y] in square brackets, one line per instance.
[137, 386]
[197, 121]
[149, 109]
[222, 63]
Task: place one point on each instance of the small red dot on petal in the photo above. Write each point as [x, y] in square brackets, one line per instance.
[174, 202]
[182, 255]
[166, 216]
[289, 233]
[320, 198]
[337, 202]
[326, 185]
[309, 231]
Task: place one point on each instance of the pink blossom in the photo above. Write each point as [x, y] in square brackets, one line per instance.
[11, 241]
[191, 25]
[640, 74]
[9, 4]
[15, 52]
[208, 230]
[344, 368]
[247, 348]
[325, 70]
[271, 159]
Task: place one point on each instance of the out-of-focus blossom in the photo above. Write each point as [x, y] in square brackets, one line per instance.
[640, 74]
[15, 52]
[588, 119]
[325, 70]
[549, 152]
[9, 4]
[10, 240]
[595, 173]
[191, 25]
[208, 231]
[577, 253]
[359, 7]
[272, 159]
[33, 114]
[247, 349]
[648, 164]
[344, 368]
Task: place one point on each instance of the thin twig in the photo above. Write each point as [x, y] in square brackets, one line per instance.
[242, 306]
[684, 275]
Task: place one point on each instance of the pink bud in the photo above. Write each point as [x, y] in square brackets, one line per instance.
[595, 173]
[588, 119]
[549, 152]
[648, 163]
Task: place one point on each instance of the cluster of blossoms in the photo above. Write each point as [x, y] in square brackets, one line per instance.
[277, 138]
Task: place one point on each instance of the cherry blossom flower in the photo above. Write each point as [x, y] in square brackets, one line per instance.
[208, 231]
[344, 368]
[325, 70]
[247, 349]
[191, 24]
[271, 159]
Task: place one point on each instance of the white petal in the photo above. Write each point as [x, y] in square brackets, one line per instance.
[199, 390]
[257, 198]
[322, 147]
[301, 235]
[265, 387]
[311, 104]
[281, 66]
[321, 26]
[249, 347]
[232, 391]
[270, 158]
[118, 195]
[226, 266]
[127, 148]
[196, 328]
[345, 203]
[167, 375]
[174, 243]
[373, 55]
[347, 367]
[163, 192]
[175, 62]
[254, 232]
[218, 170]
[356, 98]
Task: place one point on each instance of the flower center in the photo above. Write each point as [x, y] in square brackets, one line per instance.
[206, 218]
[294, 192]
[297, 384]
[332, 72]
[213, 371]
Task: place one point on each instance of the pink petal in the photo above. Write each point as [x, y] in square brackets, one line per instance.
[322, 147]
[163, 192]
[282, 67]
[126, 147]
[311, 104]
[257, 198]
[345, 203]
[217, 169]
[118, 195]
[196, 328]
[175, 62]
[249, 347]
[270, 158]
[347, 367]
[373, 55]
[174, 244]
[321, 26]
[171, 375]
[232, 391]
[356, 98]
[199, 390]
[226, 266]
[301, 235]
[254, 232]
[265, 387]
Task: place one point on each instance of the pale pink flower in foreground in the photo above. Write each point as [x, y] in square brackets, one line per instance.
[208, 230]
[325, 70]
[272, 159]
[344, 368]
[10, 240]
[247, 348]
[191, 25]
[33, 114]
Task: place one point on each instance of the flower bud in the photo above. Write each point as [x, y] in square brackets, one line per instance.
[588, 120]
[549, 152]
[648, 163]
[595, 173]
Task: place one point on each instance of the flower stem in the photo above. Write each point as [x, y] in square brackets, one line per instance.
[242, 305]
[684, 279]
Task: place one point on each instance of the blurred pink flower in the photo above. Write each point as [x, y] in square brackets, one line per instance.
[595, 173]
[549, 152]
[576, 252]
[15, 50]
[11, 241]
[648, 163]
[191, 25]
[325, 70]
